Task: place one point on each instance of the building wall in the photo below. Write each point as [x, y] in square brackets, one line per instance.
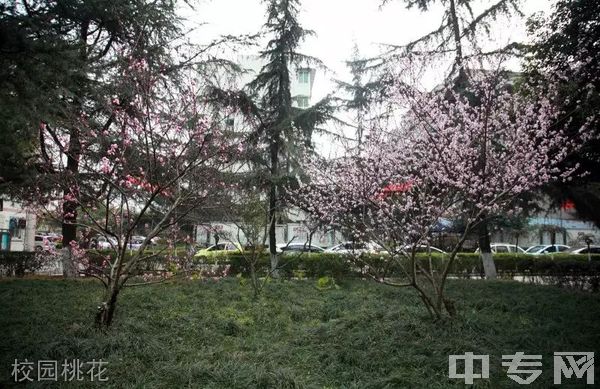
[12, 218]
[568, 231]
[299, 86]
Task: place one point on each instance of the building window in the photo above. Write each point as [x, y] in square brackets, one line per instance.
[302, 101]
[304, 76]
[16, 227]
[229, 123]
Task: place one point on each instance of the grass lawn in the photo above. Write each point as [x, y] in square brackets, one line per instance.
[362, 335]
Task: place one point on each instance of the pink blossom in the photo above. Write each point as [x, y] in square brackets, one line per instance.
[105, 165]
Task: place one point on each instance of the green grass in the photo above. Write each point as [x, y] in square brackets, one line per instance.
[362, 335]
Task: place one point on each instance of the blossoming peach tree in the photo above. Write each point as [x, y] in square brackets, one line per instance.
[462, 156]
[159, 158]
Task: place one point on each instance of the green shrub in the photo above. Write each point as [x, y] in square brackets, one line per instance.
[17, 263]
[326, 282]
[561, 269]
[311, 265]
[466, 264]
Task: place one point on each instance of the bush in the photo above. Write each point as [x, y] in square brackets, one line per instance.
[326, 282]
[559, 269]
[17, 263]
[313, 265]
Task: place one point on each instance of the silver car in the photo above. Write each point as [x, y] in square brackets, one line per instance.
[354, 248]
[542, 249]
[505, 248]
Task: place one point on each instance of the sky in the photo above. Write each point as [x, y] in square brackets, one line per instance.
[339, 25]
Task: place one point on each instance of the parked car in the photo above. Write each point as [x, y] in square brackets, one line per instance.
[505, 248]
[135, 244]
[584, 250]
[425, 249]
[547, 249]
[220, 248]
[103, 243]
[298, 247]
[44, 243]
[354, 248]
[140, 239]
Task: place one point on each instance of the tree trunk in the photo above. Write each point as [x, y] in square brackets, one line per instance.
[254, 279]
[272, 238]
[461, 79]
[106, 310]
[73, 153]
[69, 208]
[68, 265]
[489, 267]
[274, 156]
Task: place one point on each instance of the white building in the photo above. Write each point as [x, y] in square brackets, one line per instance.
[18, 224]
[302, 80]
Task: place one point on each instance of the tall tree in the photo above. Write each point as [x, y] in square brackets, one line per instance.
[360, 94]
[566, 43]
[458, 36]
[159, 156]
[397, 187]
[457, 40]
[61, 62]
[283, 130]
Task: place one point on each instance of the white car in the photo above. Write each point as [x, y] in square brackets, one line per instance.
[44, 243]
[547, 249]
[140, 239]
[425, 249]
[354, 248]
[584, 250]
[104, 243]
[505, 248]
[134, 244]
[298, 247]
[136, 241]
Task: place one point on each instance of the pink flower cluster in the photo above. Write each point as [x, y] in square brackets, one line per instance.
[453, 156]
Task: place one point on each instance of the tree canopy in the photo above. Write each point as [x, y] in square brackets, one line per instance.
[62, 68]
[566, 44]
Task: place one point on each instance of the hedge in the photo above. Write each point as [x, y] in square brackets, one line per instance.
[17, 263]
[466, 264]
[561, 269]
[339, 265]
